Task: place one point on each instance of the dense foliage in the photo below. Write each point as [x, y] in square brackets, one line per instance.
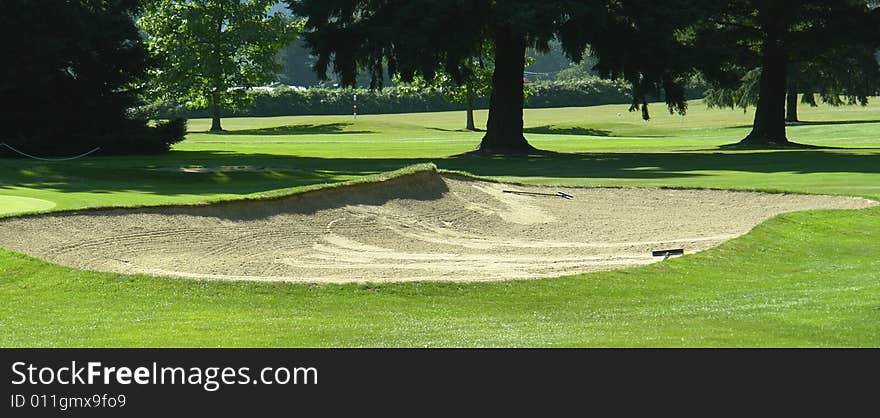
[78, 67]
[656, 46]
[826, 44]
[808, 84]
[82, 66]
[413, 37]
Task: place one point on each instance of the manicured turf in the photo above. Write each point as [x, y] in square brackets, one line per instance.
[807, 279]
[10, 205]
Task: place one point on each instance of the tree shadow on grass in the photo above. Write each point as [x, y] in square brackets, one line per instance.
[115, 174]
[649, 166]
[832, 122]
[817, 123]
[304, 129]
[555, 130]
[457, 130]
[736, 146]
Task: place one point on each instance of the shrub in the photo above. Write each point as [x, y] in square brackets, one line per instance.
[150, 140]
[580, 92]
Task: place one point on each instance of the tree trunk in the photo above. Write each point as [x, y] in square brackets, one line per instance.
[769, 126]
[504, 130]
[215, 113]
[469, 92]
[215, 93]
[791, 106]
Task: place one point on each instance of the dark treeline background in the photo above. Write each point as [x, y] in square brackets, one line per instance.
[74, 72]
[284, 101]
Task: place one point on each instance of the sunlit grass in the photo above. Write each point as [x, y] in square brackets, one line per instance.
[807, 279]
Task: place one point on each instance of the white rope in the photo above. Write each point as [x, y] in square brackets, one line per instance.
[50, 159]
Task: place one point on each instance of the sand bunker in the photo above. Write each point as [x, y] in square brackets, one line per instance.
[422, 226]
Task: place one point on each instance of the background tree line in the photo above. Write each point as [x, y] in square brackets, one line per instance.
[85, 66]
[285, 101]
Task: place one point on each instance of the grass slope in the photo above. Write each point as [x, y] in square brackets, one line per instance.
[807, 279]
[298, 151]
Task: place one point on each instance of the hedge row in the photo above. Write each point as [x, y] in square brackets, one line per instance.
[590, 92]
[284, 101]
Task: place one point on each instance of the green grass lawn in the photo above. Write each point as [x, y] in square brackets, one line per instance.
[806, 279]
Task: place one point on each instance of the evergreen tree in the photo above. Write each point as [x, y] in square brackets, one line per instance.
[74, 73]
[643, 43]
[420, 37]
[655, 45]
[834, 82]
[733, 37]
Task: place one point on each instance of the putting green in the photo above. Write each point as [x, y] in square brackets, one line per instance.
[17, 204]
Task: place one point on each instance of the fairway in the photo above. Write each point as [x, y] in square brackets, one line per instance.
[800, 279]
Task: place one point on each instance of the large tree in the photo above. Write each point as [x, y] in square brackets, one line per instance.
[418, 37]
[735, 36]
[72, 77]
[836, 82]
[212, 52]
[477, 75]
[847, 74]
[642, 44]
